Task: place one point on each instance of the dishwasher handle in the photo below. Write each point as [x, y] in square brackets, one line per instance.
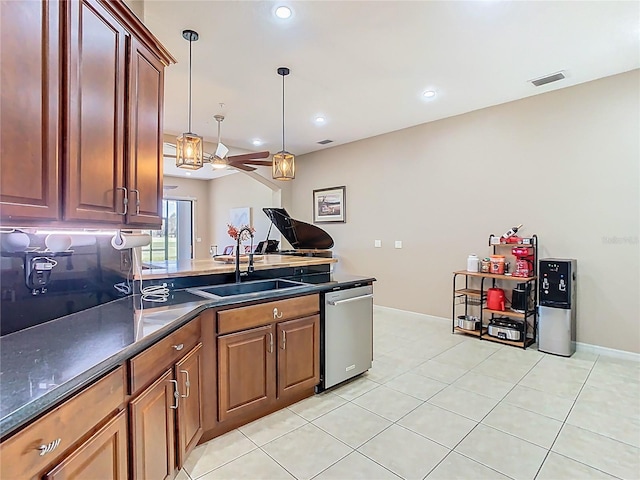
[352, 299]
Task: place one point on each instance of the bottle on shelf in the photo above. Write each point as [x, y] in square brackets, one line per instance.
[511, 232]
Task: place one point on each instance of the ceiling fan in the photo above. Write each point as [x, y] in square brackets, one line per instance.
[242, 162]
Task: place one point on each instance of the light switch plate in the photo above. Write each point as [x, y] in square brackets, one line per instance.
[398, 243]
[377, 243]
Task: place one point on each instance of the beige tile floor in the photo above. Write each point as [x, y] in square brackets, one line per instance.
[443, 406]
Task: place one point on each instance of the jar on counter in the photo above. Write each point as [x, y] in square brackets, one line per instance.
[497, 264]
[485, 265]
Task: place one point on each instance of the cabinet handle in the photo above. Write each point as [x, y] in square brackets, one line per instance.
[50, 447]
[137, 200]
[176, 395]
[284, 340]
[125, 199]
[187, 383]
[275, 313]
[178, 347]
[270, 342]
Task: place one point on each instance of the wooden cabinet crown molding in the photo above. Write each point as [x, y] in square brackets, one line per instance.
[133, 24]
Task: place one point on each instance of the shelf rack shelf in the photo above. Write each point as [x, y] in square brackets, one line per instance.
[477, 296]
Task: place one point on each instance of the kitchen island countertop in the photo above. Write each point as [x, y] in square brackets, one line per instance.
[158, 270]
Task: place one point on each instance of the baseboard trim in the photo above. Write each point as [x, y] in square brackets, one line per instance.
[607, 352]
[580, 347]
[430, 317]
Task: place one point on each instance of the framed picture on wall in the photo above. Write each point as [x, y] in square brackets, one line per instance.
[329, 205]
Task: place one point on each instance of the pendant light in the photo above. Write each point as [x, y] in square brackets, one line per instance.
[284, 163]
[189, 146]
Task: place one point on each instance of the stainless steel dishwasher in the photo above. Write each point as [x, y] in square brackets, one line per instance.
[347, 348]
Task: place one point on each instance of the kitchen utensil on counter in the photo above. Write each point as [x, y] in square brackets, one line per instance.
[524, 261]
[472, 263]
[495, 299]
[506, 329]
[497, 264]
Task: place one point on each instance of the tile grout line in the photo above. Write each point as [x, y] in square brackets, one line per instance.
[564, 422]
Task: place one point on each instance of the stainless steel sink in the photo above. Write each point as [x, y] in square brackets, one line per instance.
[235, 289]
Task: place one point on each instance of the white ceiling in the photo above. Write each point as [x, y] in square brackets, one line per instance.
[365, 64]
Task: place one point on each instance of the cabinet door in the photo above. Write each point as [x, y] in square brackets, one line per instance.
[298, 354]
[103, 456]
[144, 161]
[94, 170]
[152, 430]
[246, 372]
[190, 429]
[30, 99]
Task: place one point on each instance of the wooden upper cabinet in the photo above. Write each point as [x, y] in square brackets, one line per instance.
[298, 355]
[30, 121]
[144, 163]
[96, 117]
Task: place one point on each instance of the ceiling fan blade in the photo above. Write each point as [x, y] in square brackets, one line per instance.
[249, 156]
[266, 163]
[240, 166]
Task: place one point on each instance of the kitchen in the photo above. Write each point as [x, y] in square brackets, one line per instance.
[584, 135]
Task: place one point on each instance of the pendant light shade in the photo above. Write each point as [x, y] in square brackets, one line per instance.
[284, 163]
[189, 146]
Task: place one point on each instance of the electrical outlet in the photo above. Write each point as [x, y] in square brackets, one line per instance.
[125, 260]
[398, 244]
[377, 243]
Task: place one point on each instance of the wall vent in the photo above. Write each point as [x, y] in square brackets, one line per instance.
[554, 77]
[324, 142]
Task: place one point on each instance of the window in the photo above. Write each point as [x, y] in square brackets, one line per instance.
[175, 239]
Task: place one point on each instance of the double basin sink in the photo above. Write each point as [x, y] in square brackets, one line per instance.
[237, 289]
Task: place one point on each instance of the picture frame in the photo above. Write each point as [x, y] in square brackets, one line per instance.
[329, 205]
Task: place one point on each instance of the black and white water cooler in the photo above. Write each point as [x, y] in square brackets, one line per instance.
[557, 306]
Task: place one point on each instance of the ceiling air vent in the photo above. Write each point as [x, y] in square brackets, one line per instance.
[324, 142]
[554, 77]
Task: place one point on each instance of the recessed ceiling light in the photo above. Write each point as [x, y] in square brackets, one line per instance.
[188, 174]
[429, 94]
[257, 142]
[319, 120]
[283, 12]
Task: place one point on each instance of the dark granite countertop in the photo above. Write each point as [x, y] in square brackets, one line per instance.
[42, 365]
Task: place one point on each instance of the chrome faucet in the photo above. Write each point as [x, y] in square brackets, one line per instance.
[250, 267]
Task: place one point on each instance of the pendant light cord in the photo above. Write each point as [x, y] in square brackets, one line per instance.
[190, 43]
[283, 113]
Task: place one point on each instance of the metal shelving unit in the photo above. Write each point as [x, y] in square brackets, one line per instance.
[470, 297]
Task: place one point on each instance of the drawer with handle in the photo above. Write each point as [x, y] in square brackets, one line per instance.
[243, 318]
[38, 445]
[147, 366]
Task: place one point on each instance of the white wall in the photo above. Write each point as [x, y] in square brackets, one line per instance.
[565, 164]
[236, 191]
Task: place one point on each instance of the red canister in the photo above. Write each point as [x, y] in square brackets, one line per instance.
[495, 299]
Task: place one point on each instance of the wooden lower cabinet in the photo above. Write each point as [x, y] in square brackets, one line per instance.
[298, 355]
[260, 367]
[152, 430]
[246, 372]
[103, 456]
[167, 419]
[190, 407]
